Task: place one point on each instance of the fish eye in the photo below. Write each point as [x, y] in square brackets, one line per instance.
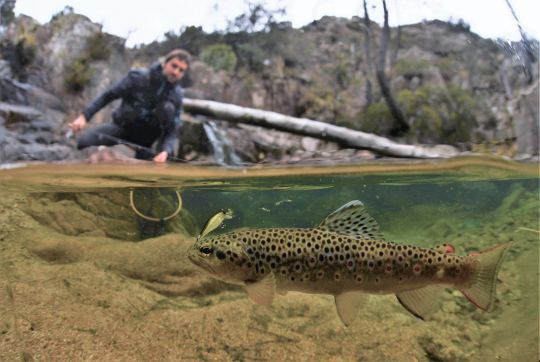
[220, 255]
[205, 250]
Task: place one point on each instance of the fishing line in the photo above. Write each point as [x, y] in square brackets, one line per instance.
[136, 146]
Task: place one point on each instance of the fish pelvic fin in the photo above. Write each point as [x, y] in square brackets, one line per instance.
[262, 291]
[348, 304]
[481, 290]
[352, 219]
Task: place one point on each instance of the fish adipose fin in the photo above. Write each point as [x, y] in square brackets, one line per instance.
[262, 291]
[347, 305]
[352, 219]
[481, 291]
[420, 302]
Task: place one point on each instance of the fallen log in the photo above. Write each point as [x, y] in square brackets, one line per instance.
[306, 127]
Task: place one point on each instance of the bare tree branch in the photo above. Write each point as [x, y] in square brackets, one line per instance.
[368, 68]
[400, 125]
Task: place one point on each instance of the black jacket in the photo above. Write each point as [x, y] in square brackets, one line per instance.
[147, 97]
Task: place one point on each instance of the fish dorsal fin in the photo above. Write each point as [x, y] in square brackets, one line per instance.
[420, 302]
[262, 291]
[352, 219]
[347, 305]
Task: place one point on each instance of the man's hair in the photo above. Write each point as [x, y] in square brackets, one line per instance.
[180, 54]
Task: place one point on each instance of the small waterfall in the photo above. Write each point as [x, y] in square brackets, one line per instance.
[222, 147]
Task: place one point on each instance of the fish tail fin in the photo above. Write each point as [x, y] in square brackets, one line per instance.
[481, 290]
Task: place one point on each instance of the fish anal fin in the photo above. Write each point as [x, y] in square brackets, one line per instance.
[347, 305]
[352, 219]
[420, 302]
[262, 291]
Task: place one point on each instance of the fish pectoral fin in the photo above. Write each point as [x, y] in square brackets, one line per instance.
[420, 302]
[262, 291]
[347, 305]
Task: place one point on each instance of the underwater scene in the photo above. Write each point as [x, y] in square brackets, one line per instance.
[129, 262]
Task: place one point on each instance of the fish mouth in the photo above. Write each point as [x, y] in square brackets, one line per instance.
[198, 262]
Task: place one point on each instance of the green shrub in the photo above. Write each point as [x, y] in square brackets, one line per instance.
[251, 55]
[77, 75]
[315, 102]
[448, 68]
[97, 47]
[408, 67]
[376, 119]
[219, 57]
[439, 114]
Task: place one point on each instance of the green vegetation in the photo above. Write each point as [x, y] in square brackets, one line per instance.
[314, 102]
[448, 68]
[219, 57]
[97, 47]
[409, 67]
[78, 74]
[435, 115]
[25, 46]
[439, 114]
[376, 119]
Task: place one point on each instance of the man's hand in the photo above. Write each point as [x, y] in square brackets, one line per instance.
[161, 157]
[78, 123]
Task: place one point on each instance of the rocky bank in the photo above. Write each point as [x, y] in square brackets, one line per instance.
[455, 87]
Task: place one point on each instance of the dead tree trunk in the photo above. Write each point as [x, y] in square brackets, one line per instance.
[302, 126]
[368, 68]
[400, 122]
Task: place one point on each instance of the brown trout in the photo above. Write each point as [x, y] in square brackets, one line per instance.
[347, 256]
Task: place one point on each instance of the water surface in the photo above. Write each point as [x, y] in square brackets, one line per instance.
[84, 276]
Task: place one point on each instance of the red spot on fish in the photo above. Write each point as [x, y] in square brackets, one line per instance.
[389, 268]
[449, 249]
[417, 269]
